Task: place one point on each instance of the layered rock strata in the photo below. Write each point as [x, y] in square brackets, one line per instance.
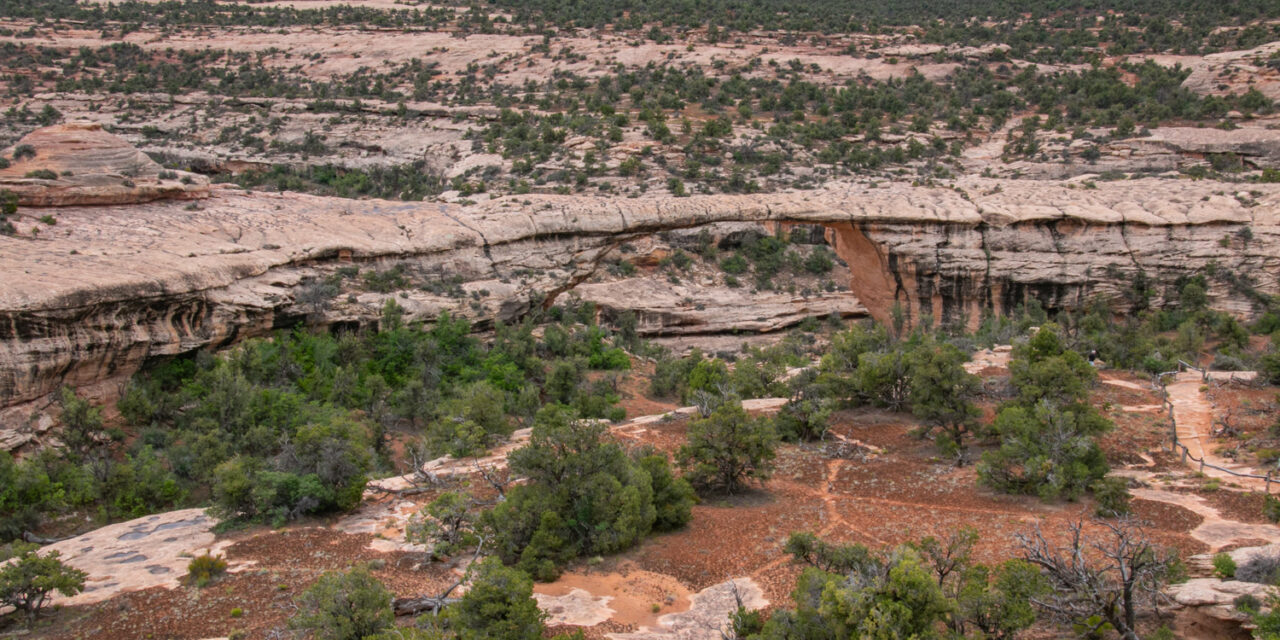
[113, 286]
[665, 310]
[81, 164]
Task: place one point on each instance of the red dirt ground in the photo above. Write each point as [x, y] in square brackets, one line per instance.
[901, 494]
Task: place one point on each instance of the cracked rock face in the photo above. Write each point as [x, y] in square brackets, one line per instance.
[111, 286]
[80, 164]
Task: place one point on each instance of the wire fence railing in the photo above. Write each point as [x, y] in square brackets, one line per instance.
[1177, 445]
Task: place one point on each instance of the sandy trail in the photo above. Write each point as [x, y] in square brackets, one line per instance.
[1216, 531]
[1125, 384]
[1193, 413]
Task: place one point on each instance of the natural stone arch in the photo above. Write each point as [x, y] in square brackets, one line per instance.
[120, 284]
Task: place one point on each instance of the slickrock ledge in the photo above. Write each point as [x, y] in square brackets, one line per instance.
[111, 286]
[81, 164]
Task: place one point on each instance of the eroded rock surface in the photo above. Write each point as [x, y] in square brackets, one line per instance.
[1207, 605]
[1215, 531]
[110, 287]
[152, 551]
[1228, 71]
[663, 309]
[81, 164]
[1257, 145]
[578, 607]
[1215, 598]
[708, 614]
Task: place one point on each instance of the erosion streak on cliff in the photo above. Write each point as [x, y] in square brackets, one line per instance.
[111, 286]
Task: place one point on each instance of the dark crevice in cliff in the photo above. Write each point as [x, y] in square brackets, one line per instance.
[987, 303]
[484, 242]
[1124, 237]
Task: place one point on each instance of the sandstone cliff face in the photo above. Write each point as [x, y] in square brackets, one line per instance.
[1256, 146]
[88, 166]
[665, 310]
[113, 286]
[1231, 71]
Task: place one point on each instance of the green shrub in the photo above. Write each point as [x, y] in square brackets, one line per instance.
[26, 491]
[941, 394]
[673, 497]
[1224, 566]
[469, 422]
[848, 591]
[671, 375]
[1271, 508]
[735, 264]
[706, 376]
[1048, 435]
[833, 558]
[819, 261]
[803, 419]
[140, 484]
[1248, 603]
[244, 488]
[613, 359]
[1112, 496]
[205, 568]
[1044, 452]
[8, 203]
[344, 606]
[27, 581]
[446, 524]
[42, 174]
[630, 166]
[728, 449]
[583, 496]
[499, 604]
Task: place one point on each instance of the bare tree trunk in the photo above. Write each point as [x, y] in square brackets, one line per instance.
[421, 604]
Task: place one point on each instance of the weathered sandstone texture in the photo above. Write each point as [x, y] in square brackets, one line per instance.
[1255, 145]
[111, 286]
[663, 309]
[708, 614]
[138, 554]
[1206, 606]
[89, 166]
[1232, 71]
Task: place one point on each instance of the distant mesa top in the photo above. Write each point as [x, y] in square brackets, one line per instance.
[80, 164]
